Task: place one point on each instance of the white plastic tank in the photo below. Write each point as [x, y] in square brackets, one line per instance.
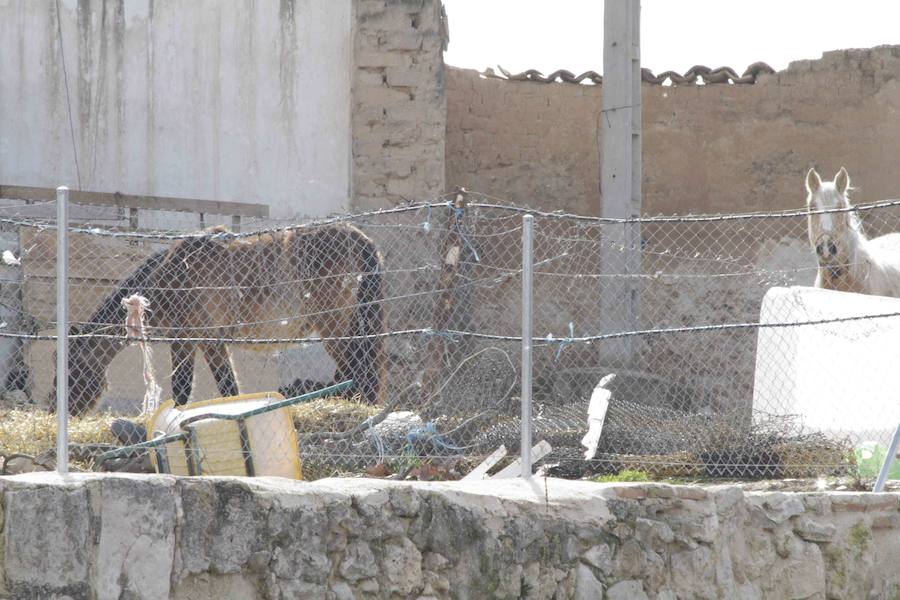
[839, 378]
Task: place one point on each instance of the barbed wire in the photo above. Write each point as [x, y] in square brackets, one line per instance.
[160, 236]
[453, 333]
[789, 213]
[414, 207]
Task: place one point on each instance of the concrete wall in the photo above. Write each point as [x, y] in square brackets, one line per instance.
[309, 107]
[244, 101]
[712, 148]
[207, 538]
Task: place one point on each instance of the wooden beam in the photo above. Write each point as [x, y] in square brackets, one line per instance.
[480, 472]
[217, 207]
[514, 469]
[445, 306]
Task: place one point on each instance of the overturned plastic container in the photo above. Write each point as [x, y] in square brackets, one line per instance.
[227, 436]
[251, 435]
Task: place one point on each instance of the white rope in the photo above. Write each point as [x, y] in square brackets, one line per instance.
[137, 306]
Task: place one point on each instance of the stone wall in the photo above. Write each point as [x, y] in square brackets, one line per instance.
[89, 536]
[707, 148]
[399, 106]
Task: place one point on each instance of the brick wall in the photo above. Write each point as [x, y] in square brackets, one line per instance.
[398, 101]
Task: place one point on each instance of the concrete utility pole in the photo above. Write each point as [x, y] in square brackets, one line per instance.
[620, 173]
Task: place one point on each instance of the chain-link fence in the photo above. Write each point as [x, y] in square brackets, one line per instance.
[420, 306]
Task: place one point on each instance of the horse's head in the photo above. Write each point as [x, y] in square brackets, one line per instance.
[832, 234]
[88, 359]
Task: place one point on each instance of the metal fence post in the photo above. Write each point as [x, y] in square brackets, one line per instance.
[527, 294]
[888, 462]
[62, 321]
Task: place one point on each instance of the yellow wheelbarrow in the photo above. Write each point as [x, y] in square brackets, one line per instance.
[251, 434]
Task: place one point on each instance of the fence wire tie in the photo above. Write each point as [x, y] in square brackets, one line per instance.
[429, 432]
[426, 225]
[564, 341]
[453, 336]
[457, 223]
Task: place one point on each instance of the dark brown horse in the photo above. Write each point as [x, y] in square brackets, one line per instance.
[323, 280]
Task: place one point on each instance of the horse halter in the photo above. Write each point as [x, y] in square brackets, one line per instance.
[834, 269]
[822, 244]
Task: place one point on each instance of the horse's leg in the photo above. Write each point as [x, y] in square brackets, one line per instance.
[182, 371]
[219, 361]
[352, 357]
[339, 351]
[336, 324]
[359, 358]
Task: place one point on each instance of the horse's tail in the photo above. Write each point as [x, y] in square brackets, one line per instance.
[365, 349]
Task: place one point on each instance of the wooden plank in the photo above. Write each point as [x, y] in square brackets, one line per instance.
[444, 306]
[597, 409]
[90, 256]
[514, 469]
[96, 265]
[39, 298]
[481, 470]
[218, 207]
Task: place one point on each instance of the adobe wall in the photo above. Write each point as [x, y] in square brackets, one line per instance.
[707, 148]
[398, 112]
[718, 148]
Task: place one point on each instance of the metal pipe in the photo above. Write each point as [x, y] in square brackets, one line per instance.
[888, 461]
[62, 321]
[527, 293]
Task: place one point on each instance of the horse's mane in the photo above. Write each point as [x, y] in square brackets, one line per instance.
[110, 312]
[853, 217]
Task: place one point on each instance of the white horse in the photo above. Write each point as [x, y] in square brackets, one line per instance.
[848, 260]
